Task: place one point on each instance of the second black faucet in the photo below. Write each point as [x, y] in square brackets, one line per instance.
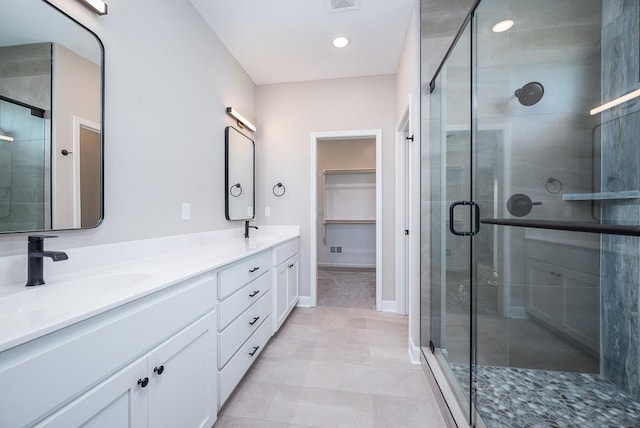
[35, 254]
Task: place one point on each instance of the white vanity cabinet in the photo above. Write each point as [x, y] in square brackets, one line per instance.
[146, 363]
[244, 311]
[286, 281]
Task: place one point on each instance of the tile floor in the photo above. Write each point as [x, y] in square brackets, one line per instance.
[334, 367]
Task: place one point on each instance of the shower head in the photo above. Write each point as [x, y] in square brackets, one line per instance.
[530, 93]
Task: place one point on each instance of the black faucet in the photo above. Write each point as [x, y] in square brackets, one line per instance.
[246, 228]
[35, 254]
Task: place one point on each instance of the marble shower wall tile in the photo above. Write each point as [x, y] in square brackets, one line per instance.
[620, 262]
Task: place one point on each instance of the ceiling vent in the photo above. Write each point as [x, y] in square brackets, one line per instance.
[343, 5]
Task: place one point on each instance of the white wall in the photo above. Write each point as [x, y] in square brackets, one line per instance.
[168, 80]
[287, 115]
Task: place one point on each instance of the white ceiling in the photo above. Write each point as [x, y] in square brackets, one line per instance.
[290, 40]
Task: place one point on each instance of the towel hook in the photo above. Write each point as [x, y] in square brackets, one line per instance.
[237, 185]
[279, 193]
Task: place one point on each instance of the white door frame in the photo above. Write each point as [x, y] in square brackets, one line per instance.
[403, 211]
[313, 230]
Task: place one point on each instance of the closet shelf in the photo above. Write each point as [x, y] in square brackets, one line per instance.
[349, 171]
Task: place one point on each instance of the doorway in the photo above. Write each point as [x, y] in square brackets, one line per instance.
[346, 217]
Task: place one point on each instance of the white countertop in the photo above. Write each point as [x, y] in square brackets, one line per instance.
[106, 276]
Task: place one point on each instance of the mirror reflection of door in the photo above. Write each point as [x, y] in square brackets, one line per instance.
[86, 173]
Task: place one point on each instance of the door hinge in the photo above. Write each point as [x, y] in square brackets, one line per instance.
[406, 231]
[409, 137]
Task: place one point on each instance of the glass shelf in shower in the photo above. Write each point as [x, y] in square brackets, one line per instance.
[602, 196]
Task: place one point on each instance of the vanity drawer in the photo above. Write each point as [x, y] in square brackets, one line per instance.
[285, 251]
[231, 374]
[238, 331]
[235, 277]
[237, 303]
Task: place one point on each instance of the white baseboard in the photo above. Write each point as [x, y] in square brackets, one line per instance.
[414, 353]
[305, 302]
[389, 306]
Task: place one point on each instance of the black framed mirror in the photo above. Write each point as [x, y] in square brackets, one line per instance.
[51, 120]
[239, 175]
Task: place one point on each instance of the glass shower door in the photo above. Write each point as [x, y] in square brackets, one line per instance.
[451, 215]
[24, 165]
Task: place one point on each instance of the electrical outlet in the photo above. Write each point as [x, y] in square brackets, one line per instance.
[338, 249]
[186, 211]
[332, 249]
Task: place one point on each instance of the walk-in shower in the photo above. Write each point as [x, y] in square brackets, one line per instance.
[531, 214]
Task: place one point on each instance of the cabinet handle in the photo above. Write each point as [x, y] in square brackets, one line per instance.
[255, 320]
[291, 265]
[254, 269]
[143, 382]
[255, 349]
[158, 370]
[254, 293]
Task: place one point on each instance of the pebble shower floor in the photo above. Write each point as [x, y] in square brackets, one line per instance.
[523, 398]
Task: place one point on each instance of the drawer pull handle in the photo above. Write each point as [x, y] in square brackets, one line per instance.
[290, 266]
[254, 269]
[255, 320]
[143, 382]
[254, 293]
[255, 349]
[158, 370]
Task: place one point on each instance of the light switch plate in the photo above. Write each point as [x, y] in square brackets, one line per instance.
[267, 211]
[186, 211]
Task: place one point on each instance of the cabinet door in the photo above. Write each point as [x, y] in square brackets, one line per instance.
[545, 283]
[281, 300]
[182, 384]
[293, 281]
[117, 402]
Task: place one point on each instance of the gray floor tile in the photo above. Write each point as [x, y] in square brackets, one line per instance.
[399, 412]
[334, 367]
[235, 422]
[321, 408]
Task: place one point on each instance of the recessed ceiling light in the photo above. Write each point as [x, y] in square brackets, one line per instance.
[341, 41]
[502, 26]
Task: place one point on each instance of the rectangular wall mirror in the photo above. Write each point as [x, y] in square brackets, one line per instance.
[51, 120]
[239, 175]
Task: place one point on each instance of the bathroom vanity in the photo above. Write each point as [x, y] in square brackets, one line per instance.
[153, 340]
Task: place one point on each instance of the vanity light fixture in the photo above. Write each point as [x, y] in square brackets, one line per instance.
[617, 101]
[241, 119]
[502, 26]
[6, 138]
[97, 6]
[340, 42]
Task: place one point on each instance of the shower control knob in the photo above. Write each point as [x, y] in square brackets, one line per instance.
[519, 205]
